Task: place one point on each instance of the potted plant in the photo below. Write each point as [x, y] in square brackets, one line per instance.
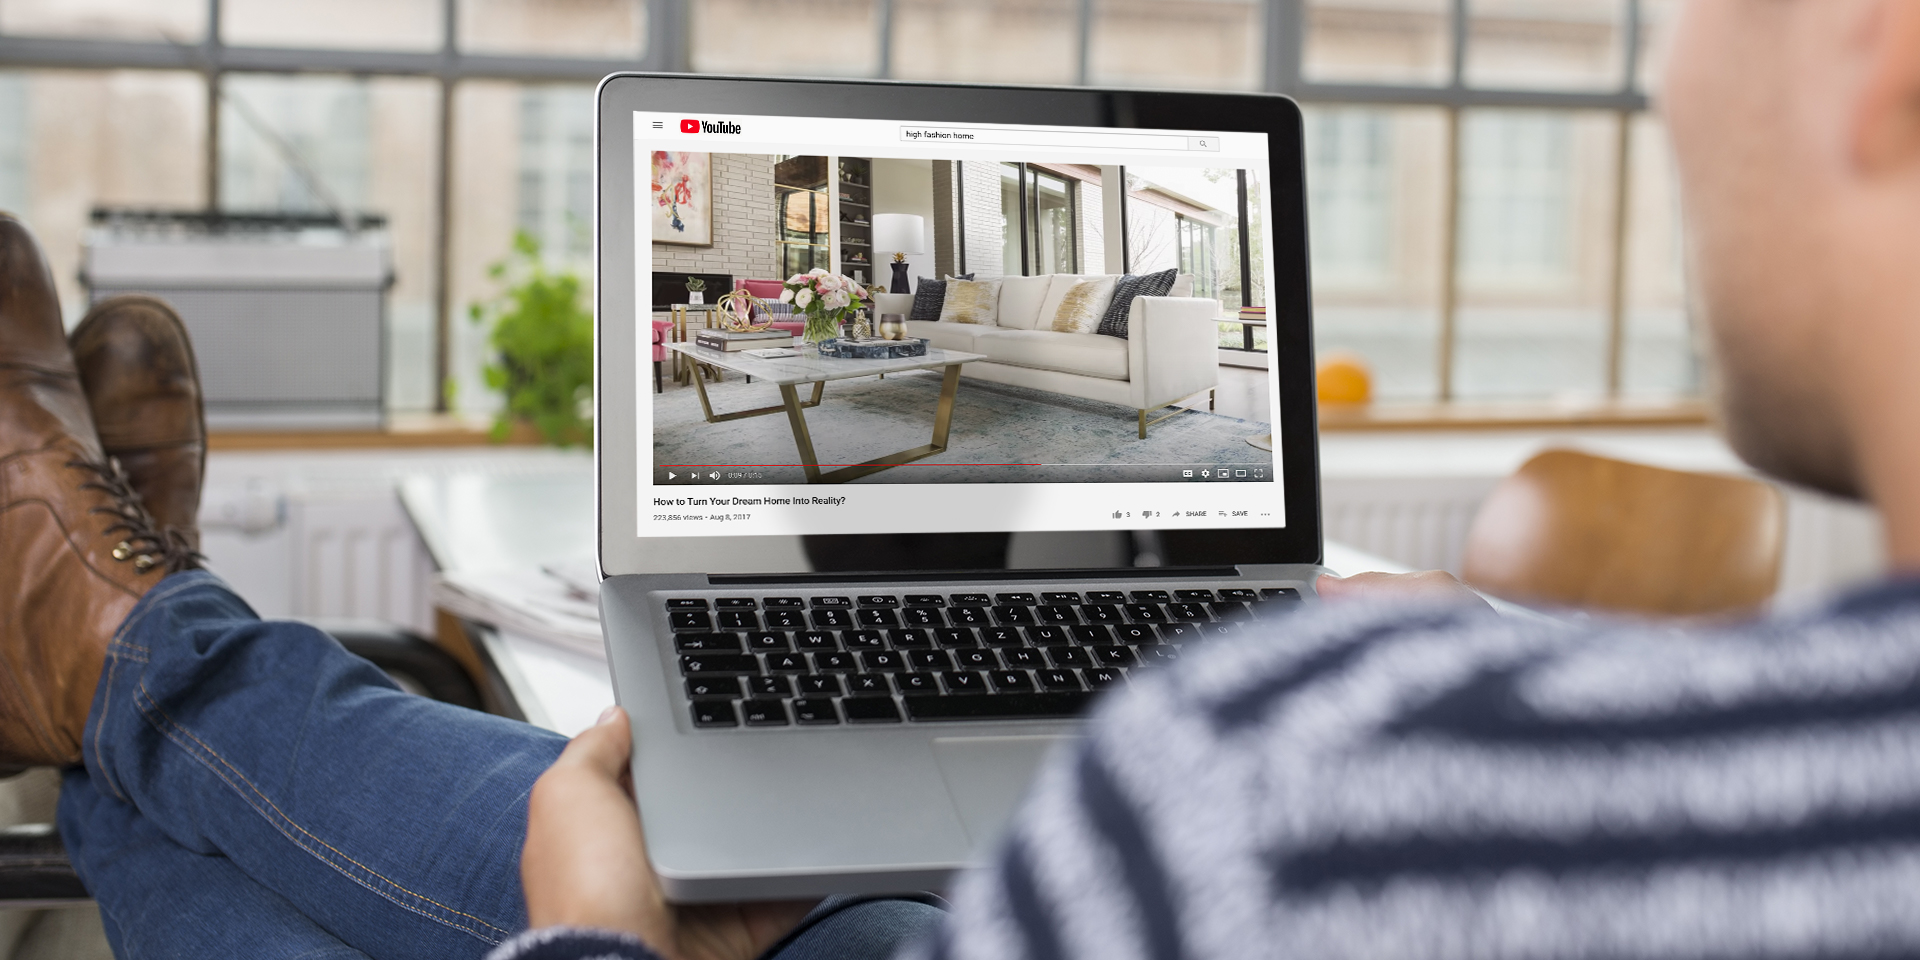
[695, 288]
[827, 299]
[543, 341]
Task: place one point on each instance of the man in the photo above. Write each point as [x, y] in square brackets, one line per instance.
[1422, 779]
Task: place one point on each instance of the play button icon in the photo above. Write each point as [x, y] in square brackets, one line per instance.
[671, 474]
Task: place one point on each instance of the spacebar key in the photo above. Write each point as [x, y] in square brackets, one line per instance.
[1008, 706]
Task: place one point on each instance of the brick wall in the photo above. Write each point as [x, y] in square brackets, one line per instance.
[743, 224]
[986, 235]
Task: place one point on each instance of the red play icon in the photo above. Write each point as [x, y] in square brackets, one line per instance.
[689, 126]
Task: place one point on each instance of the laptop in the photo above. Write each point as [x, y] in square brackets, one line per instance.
[1014, 499]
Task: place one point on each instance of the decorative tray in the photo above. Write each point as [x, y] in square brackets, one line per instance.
[872, 349]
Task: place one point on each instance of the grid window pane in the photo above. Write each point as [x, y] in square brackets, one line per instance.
[1219, 43]
[1546, 44]
[1536, 215]
[363, 24]
[305, 143]
[1376, 190]
[823, 38]
[1189, 219]
[996, 41]
[184, 21]
[74, 140]
[1660, 356]
[566, 28]
[1378, 41]
[555, 202]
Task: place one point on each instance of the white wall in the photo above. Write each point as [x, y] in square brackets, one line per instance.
[904, 186]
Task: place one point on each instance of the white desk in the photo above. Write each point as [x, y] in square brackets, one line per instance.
[488, 522]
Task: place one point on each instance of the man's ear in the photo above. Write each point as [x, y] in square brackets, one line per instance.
[1886, 121]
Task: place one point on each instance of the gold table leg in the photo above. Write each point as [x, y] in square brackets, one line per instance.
[706, 406]
[810, 463]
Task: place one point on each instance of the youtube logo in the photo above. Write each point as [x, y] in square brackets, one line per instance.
[689, 126]
[709, 126]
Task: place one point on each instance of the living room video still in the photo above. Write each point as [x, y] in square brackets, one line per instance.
[959, 305]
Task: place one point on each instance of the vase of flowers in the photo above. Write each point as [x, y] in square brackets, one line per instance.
[827, 299]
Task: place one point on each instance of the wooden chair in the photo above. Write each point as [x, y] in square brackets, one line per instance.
[1571, 529]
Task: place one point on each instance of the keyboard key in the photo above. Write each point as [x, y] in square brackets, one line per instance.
[737, 603]
[1279, 593]
[814, 641]
[831, 619]
[923, 617]
[1014, 599]
[706, 643]
[815, 712]
[1049, 635]
[1150, 596]
[719, 663]
[1101, 613]
[1025, 706]
[1018, 616]
[930, 659]
[686, 604]
[739, 620]
[870, 710]
[1069, 657]
[764, 713]
[786, 619]
[690, 620]
[1194, 596]
[766, 641]
[1146, 613]
[1011, 681]
[963, 681]
[916, 683]
[1231, 611]
[971, 600]
[864, 640]
[909, 639]
[967, 616]
[1002, 637]
[785, 603]
[1159, 653]
[714, 713]
[868, 683]
[835, 662]
[1022, 658]
[956, 637]
[1056, 680]
[1135, 633]
[835, 603]
[1230, 628]
[1091, 636]
[1056, 614]
[877, 617]
[1113, 656]
[1100, 678]
[926, 600]
[1190, 612]
[1106, 596]
[874, 600]
[1180, 632]
[708, 687]
[883, 661]
[770, 686]
[787, 663]
[1239, 594]
[818, 685]
[1066, 598]
[976, 658]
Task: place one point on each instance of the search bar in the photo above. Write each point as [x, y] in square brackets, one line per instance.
[1001, 136]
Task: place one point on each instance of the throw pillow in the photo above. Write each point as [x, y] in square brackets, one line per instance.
[1084, 306]
[972, 301]
[928, 295]
[1114, 324]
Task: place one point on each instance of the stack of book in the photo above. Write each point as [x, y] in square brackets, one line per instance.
[730, 340]
[1258, 314]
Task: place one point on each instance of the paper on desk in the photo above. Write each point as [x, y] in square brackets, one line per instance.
[532, 603]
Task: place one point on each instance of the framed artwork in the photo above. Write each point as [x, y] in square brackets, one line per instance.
[683, 198]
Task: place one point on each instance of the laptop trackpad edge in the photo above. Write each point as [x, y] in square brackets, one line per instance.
[987, 776]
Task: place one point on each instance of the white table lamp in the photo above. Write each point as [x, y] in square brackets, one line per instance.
[902, 233]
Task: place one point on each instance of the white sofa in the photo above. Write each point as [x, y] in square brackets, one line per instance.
[1171, 353]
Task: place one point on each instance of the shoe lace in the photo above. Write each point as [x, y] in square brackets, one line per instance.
[146, 543]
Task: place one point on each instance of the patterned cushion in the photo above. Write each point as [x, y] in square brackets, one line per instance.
[929, 294]
[1130, 286]
[1084, 306]
[972, 301]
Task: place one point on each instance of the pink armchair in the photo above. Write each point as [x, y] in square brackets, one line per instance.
[662, 331]
[770, 290]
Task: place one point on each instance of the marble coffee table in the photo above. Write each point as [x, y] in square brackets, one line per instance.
[789, 373]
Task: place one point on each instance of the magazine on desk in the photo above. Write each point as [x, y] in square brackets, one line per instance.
[556, 604]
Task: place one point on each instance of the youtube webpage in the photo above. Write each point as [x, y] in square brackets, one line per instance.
[865, 326]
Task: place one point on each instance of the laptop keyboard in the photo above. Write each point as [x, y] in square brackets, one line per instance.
[779, 661]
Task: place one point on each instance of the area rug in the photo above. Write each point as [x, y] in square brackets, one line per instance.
[1000, 434]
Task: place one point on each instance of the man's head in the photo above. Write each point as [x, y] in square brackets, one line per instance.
[1797, 127]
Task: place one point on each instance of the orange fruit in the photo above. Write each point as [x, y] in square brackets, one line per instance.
[1344, 378]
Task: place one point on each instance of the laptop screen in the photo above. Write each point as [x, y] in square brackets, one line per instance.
[877, 326]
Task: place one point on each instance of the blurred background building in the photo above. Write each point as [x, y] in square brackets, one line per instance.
[1493, 215]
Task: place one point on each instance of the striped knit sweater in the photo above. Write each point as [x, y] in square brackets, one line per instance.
[1447, 783]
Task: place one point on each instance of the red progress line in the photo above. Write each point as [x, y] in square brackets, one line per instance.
[705, 465]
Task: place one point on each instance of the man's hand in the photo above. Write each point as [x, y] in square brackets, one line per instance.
[585, 863]
[1432, 586]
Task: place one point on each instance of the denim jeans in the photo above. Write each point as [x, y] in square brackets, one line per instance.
[252, 789]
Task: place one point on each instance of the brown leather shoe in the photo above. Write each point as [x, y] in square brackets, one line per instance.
[79, 550]
[136, 366]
